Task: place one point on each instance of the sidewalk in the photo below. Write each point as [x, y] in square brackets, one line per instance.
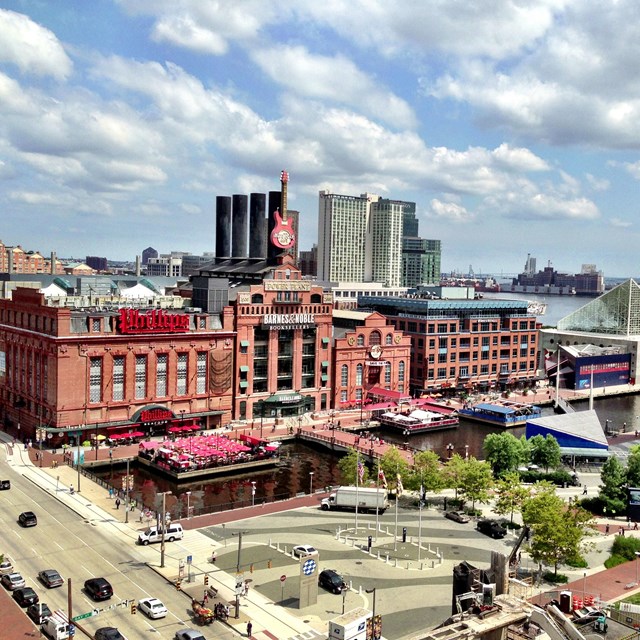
[92, 502]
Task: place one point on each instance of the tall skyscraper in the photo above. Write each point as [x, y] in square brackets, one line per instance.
[342, 231]
[385, 257]
[421, 259]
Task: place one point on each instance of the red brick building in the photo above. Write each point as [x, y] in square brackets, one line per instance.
[283, 348]
[93, 369]
[372, 359]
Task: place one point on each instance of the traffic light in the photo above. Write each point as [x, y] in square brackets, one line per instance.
[206, 581]
[134, 609]
[178, 587]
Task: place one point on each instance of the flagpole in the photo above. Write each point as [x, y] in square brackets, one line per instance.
[395, 537]
[420, 504]
[378, 500]
[357, 480]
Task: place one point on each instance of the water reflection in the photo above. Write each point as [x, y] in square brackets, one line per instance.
[298, 461]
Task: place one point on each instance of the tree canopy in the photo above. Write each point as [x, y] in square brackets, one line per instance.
[510, 495]
[613, 486]
[427, 472]
[504, 452]
[348, 468]
[558, 529]
[476, 481]
[545, 451]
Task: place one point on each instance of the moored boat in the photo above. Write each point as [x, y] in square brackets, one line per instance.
[418, 421]
[501, 413]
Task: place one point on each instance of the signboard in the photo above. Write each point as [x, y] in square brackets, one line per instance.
[283, 578]
[84, 616]
[155, 415]
[287, 285]
[154, 321]
[288, 320]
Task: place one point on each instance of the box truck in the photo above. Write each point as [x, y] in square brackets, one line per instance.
[365, 498]
[56, 627]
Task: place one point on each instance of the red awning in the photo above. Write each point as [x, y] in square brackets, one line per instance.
[386, 393]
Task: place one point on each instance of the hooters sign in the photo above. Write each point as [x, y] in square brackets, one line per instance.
[156, 321]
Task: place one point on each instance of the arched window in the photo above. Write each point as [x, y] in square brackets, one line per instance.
[344, 375]
[388, 339]
[360, 340]
[375, 338]
[401, 371]
[257, 298]
[359, 375]
[316, 298]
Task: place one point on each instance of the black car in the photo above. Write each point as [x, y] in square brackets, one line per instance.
[25, 596]
[98, 588]
[108, 633]
[332, 581]
[491, 528]
[28, 519]
[456, 516]
[38, 612]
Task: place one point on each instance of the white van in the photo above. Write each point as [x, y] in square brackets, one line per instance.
[154, 534]
[56, 627]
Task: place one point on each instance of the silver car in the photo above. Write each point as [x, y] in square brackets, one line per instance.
[13, 581]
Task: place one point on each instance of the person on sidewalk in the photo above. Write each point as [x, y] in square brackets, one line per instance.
[249, 628]
[117, 503]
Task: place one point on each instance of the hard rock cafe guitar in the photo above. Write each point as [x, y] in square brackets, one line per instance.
[282, 235]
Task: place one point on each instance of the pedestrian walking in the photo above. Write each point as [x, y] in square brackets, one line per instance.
[249, 628]
[71, 489]
[117, 503]
[606, 529]
[584, 491]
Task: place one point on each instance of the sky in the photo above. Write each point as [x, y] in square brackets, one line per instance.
[513, 124]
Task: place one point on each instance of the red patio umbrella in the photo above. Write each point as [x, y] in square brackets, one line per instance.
[135, 434]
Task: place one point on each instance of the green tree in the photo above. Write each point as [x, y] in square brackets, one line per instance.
[633, 467]
[558, 529]
[453, 471]
[613, 489]
[393, 464]
[510, 495]
[545, 452]
[427, 471]
[348, 468]
[504, 452]
[476, 481]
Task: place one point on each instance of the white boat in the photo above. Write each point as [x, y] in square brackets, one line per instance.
[418, 421]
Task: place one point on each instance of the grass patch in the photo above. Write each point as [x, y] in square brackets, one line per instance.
[555, 578]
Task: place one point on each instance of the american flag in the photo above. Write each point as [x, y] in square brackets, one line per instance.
[360, 471]
[382, 478]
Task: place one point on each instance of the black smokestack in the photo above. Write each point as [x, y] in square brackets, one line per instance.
[275, 200]
[258, 226]
[223, 226]
[239, 227]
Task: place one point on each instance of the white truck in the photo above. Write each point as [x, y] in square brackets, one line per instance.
[56, 627]
[364, 498]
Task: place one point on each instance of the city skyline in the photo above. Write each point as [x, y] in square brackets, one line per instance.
[513, 131]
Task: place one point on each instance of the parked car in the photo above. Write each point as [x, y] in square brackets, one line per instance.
[50, 578]
[108, 633]
[28, 519]
[332, 581]
[188, 634]
[152, 607]
[303, 550]
[491, 528]
[456, 516]
[38, 612]
[13, 581]
[6, 566]
[98, 588]
[25, 596]
[5, 484]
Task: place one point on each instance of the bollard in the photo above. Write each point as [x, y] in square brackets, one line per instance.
[278, 546]
[378, 554]
[387, 560]
[421, 566]
[433, 564]
[369, 541]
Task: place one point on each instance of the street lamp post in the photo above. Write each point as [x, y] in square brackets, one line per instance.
[310, 483]
[449, 450]
[253, 493]
[188, 505]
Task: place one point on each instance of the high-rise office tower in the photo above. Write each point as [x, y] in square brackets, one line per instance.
[385, 257]
[342, 231]
[421, 260]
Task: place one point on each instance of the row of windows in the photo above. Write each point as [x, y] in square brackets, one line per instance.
[141, 377]
[465, 372]
[445, 342]
[344, 373]
[485, 354]
[455, 327]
